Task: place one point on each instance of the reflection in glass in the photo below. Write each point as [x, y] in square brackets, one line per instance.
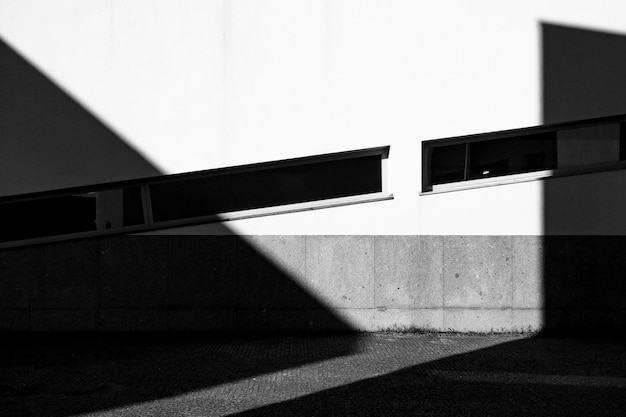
[447, 163]
[492, 158]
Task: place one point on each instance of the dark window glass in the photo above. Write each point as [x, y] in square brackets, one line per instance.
[132, 206]
[496, 157]
[187, 198]
[61, 215]
[447, 163]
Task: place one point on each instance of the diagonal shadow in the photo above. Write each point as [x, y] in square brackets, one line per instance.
[535, 376]
[130, 284]
[221, 289]
[49, 141]
[583, 285]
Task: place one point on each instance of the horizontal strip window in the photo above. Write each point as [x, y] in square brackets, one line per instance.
[71, 214]
[185, 198]
[567, 148]
[206, 196]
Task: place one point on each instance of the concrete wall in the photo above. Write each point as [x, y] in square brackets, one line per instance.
[314, 283]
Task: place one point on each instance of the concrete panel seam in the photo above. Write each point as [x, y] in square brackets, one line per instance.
[511, 269]
[441, 275]
[306, 264]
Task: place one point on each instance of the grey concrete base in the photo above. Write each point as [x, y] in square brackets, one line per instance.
[315, 283]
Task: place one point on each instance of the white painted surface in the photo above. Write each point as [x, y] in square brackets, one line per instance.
[199, 84]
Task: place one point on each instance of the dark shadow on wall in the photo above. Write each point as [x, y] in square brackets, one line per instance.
[582, 73]
[123, 293]
[529, 377]
[584, 215]
[49, 141]
[583, 253]
[143, 311]
[584, 285]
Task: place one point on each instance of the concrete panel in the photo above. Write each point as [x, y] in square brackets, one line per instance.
[74, 320]
[252, 319]
[299, 320]
[527, 272]
[408, 271]
[133, 271]
[607, 263]
[270, 271]
[424, 319]
[69, 276]
[202, 272]
[14, 320]
[285, 252]
[213, 320]
[477, 320]
[290, 320]
[566, 272]
[341, 269]
[477, 271]
[584, 272]
[124, 320]
[527, 320]
[586, 319]
[19, 268]
[326, 320]
[315, 283]
[373, 319]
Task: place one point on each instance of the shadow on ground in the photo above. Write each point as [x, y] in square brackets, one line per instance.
[537, 376]
[63, 375]
[431, 374]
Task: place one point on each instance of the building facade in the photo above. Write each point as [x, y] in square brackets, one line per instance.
[312, 165]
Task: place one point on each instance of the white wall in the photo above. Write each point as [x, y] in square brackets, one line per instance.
[194, 85]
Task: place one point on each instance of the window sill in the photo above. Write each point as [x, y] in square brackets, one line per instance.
[283, 209]
[236, 215]
[524, 177]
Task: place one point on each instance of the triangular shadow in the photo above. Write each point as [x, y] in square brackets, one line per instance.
[49, 141]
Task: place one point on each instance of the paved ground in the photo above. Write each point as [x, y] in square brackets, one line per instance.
[332, 375]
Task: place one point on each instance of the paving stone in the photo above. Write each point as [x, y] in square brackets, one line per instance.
[391, 374]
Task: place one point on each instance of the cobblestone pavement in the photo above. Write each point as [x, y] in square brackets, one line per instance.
[322, 375]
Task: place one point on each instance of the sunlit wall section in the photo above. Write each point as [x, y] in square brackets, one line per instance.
[197, 85]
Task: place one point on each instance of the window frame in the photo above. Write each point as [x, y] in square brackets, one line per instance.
[150, 225]
[427, 188]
